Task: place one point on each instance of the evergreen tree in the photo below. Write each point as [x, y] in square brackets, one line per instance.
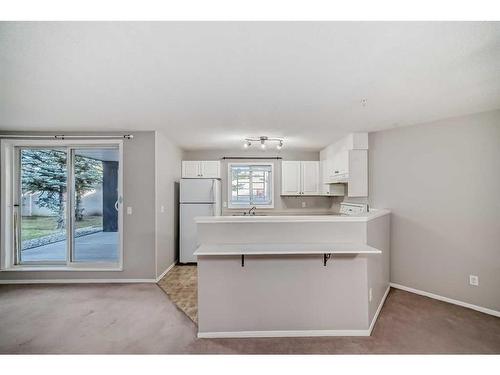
[44, 172]
[88, 174]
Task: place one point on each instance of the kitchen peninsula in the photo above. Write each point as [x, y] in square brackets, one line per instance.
[272, 276]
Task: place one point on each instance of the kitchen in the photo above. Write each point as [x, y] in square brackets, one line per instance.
[274, 187]
[282, 217]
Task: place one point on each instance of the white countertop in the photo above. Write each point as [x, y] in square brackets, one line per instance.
[286, 249]
[374, 213]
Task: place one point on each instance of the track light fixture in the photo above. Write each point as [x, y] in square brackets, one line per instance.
[263, 139]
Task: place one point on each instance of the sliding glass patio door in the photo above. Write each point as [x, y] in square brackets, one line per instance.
[41, 218]
[94, 232]
[67, 205]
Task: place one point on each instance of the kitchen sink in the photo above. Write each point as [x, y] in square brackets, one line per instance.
[245, 214]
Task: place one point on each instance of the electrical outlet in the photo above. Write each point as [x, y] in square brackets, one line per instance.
[370, 295]
[473, 280]
[162, 209]
[129, 210]
[304, 204]
[224, 204]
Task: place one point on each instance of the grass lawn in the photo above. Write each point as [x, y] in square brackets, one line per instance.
[40, 226]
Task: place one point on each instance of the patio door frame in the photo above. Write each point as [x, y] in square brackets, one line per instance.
[11, 196]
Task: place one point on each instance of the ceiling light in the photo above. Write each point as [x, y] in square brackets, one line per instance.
[263, 142]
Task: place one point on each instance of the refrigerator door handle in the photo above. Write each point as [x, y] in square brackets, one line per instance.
[213, 190]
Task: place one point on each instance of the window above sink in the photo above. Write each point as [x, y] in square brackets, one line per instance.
[250, 184]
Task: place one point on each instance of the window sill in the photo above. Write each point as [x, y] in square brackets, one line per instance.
[46, 268]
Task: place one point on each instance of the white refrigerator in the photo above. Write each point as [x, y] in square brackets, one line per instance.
[198, 197]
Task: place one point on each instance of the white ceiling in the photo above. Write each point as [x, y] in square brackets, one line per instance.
[209, 85]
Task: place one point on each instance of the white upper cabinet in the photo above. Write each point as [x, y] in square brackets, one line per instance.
[290, 178]
[329, 190]
[210, 169]
[201, 169]
[300, 178]
[346, 162]
[310, 177]
[357, 185]
[191, 169]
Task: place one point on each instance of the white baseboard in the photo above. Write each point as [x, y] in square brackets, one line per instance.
[302, 333]
[77, 281]
[165, 272]
[446, 299]
[87, 281]
[375, 316]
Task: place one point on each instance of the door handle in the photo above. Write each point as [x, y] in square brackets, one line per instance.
[16, 231]
[118, 201]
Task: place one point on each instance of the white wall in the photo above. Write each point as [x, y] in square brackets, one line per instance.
[168, 172]
[442, 182]
[281, 204]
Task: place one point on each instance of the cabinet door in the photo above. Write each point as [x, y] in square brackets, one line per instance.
[210, 169]
[290, 178]
[358, 173]
[324, 189]
[341, 162]
[310, 177]
[191, 169]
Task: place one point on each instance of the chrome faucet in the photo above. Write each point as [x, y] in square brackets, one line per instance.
[252, 209]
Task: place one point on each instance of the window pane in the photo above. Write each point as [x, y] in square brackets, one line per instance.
[95, 228]
[251, 185]
[43, 205]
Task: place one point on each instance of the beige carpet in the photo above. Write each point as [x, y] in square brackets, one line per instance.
[181, 285]
[141, 319]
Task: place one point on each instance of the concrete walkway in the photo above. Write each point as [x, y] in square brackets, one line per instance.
[96, 247]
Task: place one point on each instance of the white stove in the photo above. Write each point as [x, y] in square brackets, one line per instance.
[353, 209]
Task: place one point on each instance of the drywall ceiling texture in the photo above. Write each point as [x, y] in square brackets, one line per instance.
[442, 182]
[210, 84]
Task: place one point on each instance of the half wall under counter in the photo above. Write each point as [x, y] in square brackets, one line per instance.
[271, 276]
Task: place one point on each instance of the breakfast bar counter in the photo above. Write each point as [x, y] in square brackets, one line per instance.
[271, 276]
